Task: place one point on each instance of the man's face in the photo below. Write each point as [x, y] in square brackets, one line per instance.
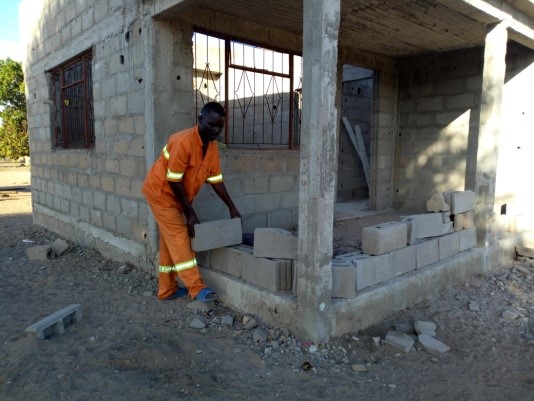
[210, 126]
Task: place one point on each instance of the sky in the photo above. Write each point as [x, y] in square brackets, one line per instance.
[10, 40]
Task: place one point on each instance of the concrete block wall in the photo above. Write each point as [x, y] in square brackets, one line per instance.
[376, 269]
[98, 188]
[263, 185]
[438, 108]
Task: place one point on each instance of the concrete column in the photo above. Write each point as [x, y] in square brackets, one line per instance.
[149, 40]
[489, 131]
[318, 168]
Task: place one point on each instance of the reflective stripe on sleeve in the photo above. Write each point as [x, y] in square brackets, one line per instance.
[215, 179]
[166, 153]
[174, 176]
[179, 266]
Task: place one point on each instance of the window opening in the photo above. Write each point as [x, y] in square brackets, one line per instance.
[259, 88]
[72, 91]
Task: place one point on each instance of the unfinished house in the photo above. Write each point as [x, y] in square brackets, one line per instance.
[347, 121]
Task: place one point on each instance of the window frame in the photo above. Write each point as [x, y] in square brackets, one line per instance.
[65, 133]
[295, 99]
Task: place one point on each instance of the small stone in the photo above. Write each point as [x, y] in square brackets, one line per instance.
[275, 344]
[268, 351]
[345, 360]
[510, 315]
[376, 340]
[227, 320]
[474, 307]
[392, 385]
[358, 368]
[313, 349]
[198, 322]
[198, 351]
[434, 360]
[237, 350]
[259, 335]
[250, 324]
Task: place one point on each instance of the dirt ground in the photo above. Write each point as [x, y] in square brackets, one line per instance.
[129, 346]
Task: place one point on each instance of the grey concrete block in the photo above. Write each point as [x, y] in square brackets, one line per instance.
[458, 221]
[203, 258]
[467, 238]
[426, 225]
[286, 275]
[449, 245]
[371, 270]
[265, 273]
[343, 279]
[446, 217]
[56, 322]
[422, 327]
[230, 260]
[60, 247]
[400, 341]
[402, 261]
[38, 252]
[275, 243]
[431, 345]
[383, 238]
[426, 252]
[469, 219]
[462, 201]
[217, 234]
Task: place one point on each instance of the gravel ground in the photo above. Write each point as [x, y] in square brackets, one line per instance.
[129, 346]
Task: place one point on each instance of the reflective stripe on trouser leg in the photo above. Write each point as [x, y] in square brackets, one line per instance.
[175, 250]
[166, 281]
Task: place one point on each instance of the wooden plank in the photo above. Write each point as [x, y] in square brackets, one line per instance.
[357, 140]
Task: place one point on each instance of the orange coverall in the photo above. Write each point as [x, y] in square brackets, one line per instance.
[180, 160]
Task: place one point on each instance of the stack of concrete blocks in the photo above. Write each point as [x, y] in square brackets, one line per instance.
[395, 248]
[269, 264]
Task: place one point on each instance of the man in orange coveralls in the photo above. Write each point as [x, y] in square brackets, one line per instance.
[190, 158]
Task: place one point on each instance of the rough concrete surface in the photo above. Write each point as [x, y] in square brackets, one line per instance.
[129, 346]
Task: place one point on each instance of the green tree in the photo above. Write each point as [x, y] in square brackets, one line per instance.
[14, 126]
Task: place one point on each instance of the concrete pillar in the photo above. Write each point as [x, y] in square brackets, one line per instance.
[169, 105]
[318, 166]
[149, 39]
[489, 131]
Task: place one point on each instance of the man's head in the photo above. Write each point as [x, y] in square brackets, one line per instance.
[211, 121]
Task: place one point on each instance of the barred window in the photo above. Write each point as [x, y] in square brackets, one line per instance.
[259, 88]
[72, 91]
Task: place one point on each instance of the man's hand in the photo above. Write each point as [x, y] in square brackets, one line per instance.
[191, 220]
[234, 214]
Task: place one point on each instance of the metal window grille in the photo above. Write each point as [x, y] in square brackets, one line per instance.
[259, 88]
[72, 90]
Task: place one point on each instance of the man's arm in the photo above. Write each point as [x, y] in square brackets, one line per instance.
[189, 212]
[220, 189]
